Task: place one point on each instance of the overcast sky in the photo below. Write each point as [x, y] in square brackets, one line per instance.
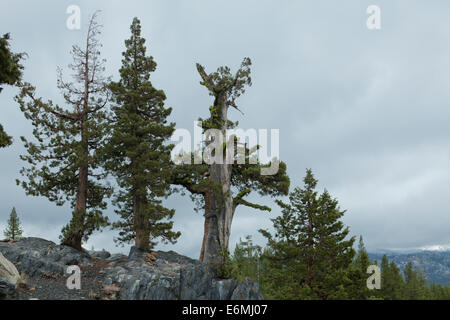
[367, 110]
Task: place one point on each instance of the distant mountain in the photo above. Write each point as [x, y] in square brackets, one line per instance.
[435, 263]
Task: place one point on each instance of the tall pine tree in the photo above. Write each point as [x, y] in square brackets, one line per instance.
[138, 154]
[64, 160]
[309, 254]
[13, 230]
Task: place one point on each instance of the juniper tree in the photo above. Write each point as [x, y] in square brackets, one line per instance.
[309, 253]
[14, 229]
[245, 179]
[225, 88]
[221, 186]
[138, 154]
[10, 73]
[64, 163]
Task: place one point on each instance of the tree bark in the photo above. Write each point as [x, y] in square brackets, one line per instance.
[142, 240]
[207, 197]
[221, 211]
[75, 237]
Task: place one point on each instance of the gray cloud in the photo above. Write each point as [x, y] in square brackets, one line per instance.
[366, 110]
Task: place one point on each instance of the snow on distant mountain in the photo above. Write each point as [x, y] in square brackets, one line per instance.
[436, 248]
[433, 260]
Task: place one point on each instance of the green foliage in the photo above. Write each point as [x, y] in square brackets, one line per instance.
[247, 259]
[362, 260]
[391, 281]
[14, 230]
[10, 74]
[359, 275]
[10, 67]
[225, 268]
[136, 153]
[246, 178]
[439, 292]
[202, 181]
[251, 261]
[223, 83]
[415, 287]
[309, 255]
[5, 140]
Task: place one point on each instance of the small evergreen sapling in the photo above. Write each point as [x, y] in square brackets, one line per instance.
[14, 229]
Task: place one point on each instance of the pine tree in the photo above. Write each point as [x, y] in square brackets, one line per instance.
[359, 274]
[396, 282]
[138, 156]
[10, 73]
[391, 280]
[64, 161]
[362, 260]
[310, 256]
[415, 283]
[14, 230]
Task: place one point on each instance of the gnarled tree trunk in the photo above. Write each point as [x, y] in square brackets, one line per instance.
[221, 210]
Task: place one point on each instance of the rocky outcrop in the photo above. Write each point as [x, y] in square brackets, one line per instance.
[170, 276]
[247, 290]
[140, 276]
[36, 256]
[99, 254]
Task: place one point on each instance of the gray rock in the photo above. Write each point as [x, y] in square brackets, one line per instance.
[8, 271]
[174, 257]
[140, 280]
[196, 283]
[247, 290]
[174, 277]
[100, 254]
[136, 253]
[140, 276]
[117, 256]
[225, 288]
[36, 256]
